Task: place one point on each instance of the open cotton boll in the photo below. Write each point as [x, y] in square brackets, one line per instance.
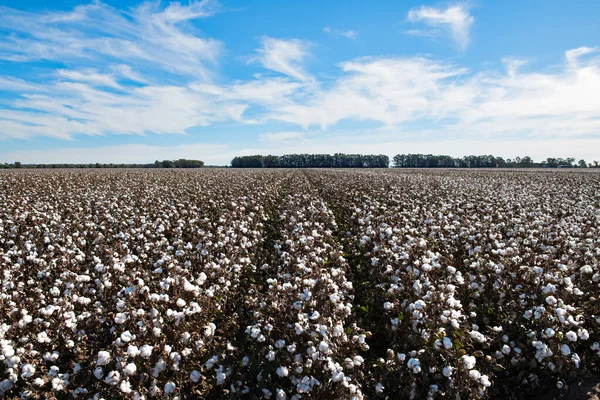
[130, 369]
[103, 358]
[468, 361]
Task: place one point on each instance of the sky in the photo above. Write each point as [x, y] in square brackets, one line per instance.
[133, 82]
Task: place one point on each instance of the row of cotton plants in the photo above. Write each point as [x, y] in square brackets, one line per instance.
[297, 284]
[481, 277]
[124, 284]
[300, 332]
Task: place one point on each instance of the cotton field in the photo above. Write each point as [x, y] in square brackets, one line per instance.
[298, 284]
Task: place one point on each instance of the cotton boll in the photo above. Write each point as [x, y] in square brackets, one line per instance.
[133, 351]
[146, 351]
[103, 358]
[113, 378]
[130, 369]
[447, 342]
[195, 376]
[125, 387]
[468, 361]
[447, 371]
[170, 388]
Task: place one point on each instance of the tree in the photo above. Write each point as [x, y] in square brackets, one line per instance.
[582, 164]
[17, 164]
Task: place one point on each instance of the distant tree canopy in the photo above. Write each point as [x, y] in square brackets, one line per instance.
[181, 163]
[337, 160]
[485, 161]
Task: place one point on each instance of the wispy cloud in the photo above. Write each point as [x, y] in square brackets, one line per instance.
[281, 136]
[284, 56]
[350, 34]
[147, 36]
[393, 92]
[456, 19]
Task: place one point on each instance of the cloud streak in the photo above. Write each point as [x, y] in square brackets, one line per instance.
[285, 56]
[456, 19]
[350, 34]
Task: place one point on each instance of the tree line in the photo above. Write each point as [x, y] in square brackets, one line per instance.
[484, 161]
[181, 163]
[337, 160]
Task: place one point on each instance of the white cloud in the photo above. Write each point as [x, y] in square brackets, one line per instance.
[429, 33]
[284, 56]
[455, 18]
[574, 54]
[280, 136]
[350, 34]
[146, 36]
[90, 76]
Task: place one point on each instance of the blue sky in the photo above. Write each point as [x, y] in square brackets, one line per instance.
[120, 81]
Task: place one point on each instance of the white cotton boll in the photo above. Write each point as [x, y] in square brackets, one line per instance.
[565, 349]
[271, 355]
[280, 344]
[127, 337]
[571, 336]
[146, 351]
[583, 334]
[133, 351]
[280, 394]
[338, 330]
[586, 269]
[103, 358]
[447, 371]
[130, 369]
[125, 387]
[474, 374]
[185, 337]
[315, 315]
[506, 349]
[337, 376]
[27, 371]
[401, 357]
[180, 303]
[120, 318]
[447, 343]
[210, 329]
[98, 373]
[170, 387]
[42, 337]
[468, 361]
[156, 331]
[379, 388]
[113, 378]
[477, 336]
[414, 364]
[324, 347]
[551, 300]
[388, 306]
[282, 371]
[485, 381]
[195, 376]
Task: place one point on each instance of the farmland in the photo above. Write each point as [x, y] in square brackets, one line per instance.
[297, 284]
